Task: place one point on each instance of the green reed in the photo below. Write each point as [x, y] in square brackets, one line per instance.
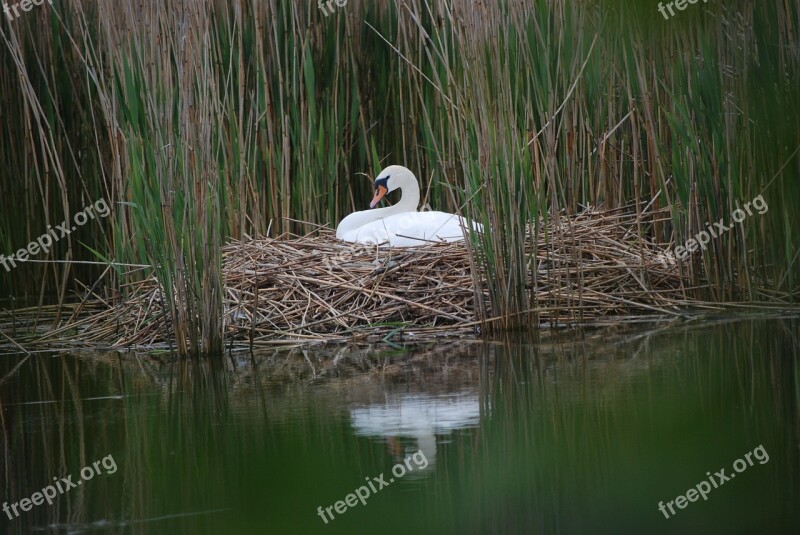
[231, 119]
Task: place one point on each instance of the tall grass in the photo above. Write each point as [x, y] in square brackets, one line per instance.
[205, 120]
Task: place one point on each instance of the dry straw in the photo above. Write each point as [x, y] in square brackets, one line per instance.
[586, 268]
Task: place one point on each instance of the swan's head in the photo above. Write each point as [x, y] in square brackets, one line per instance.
[390, 179]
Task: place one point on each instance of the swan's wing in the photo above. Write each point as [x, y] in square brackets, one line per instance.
[410, 229]
[424, 227]
[372, 233]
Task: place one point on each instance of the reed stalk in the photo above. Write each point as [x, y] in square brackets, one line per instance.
[205, 121]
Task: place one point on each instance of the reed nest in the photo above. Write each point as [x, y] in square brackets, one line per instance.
[586, 268]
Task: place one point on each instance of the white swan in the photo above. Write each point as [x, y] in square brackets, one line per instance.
[401, 225]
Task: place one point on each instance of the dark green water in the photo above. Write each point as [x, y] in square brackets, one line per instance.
[585, 433]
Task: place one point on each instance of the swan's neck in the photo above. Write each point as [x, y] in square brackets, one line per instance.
[409, 198]
[409, 201]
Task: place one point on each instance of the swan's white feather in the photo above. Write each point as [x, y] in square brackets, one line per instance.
[402, 225]
[410, 229]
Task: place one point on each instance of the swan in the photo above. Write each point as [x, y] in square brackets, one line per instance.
[401, 225]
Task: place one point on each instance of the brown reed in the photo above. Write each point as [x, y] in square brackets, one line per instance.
[589, 267]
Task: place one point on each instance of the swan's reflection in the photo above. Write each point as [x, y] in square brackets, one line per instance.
[419, 417]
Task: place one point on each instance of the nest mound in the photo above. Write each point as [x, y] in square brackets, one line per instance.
[583, 268]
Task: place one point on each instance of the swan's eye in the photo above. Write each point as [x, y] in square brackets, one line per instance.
[382, 182]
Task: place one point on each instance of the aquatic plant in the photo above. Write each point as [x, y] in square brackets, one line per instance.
[217, 119]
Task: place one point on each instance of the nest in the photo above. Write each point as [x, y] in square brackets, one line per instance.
[586, 268]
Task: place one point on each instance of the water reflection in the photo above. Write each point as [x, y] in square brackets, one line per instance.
[418, 417]
[577, 432]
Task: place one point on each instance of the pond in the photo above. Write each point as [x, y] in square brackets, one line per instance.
[690, 428]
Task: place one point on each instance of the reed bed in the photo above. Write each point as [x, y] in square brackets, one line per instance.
[587, 267]
[208, 121]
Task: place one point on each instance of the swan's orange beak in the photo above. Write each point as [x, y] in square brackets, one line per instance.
[380, 193]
